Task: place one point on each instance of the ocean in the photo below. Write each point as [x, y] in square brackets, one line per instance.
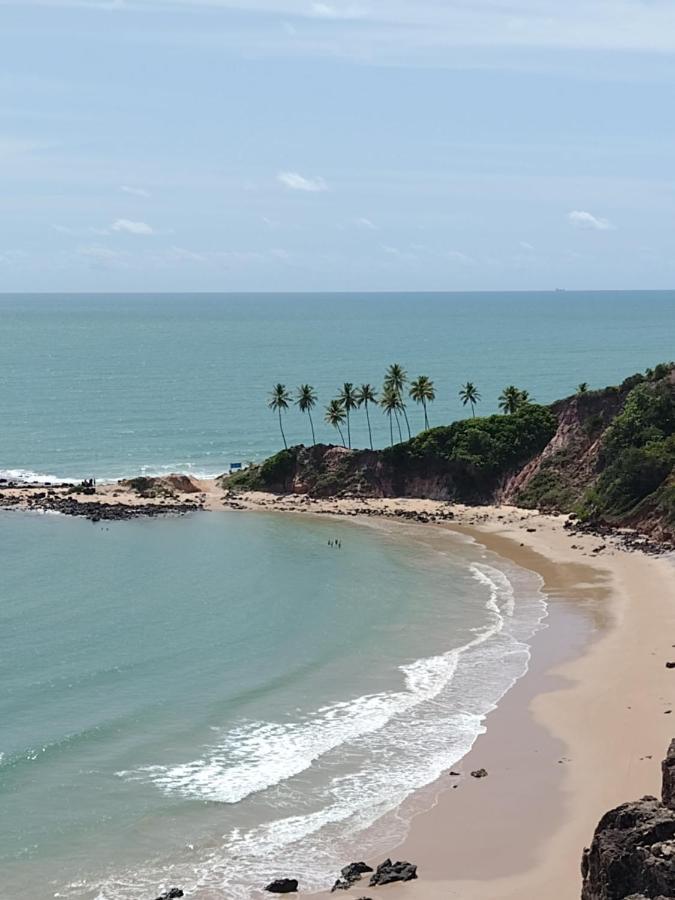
[218, 699]
[109, 386]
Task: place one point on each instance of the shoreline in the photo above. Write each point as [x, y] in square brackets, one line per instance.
[582, 731]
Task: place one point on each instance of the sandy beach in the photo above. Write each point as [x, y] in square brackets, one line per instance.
[583, 731]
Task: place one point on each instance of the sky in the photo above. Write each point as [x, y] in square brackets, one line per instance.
[292, 145]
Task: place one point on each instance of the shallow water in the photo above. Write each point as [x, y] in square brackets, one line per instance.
[217, 699]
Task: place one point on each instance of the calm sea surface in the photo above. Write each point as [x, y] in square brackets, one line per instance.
[116, 385]
[219, 699]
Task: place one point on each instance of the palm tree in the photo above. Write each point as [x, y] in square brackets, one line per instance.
[279, 399]
[396, 378]
[335, 416]
[422, 391]
[306, 401]
[469, 394]
[364, 396]
[390, 402]
[512, 398]
[582, 388]
[349, 399]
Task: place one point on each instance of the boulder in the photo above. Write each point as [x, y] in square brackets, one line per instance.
[479, 773]
[171, 894]
[633, 850]
[354, 871]
[668, 781]
[351, 874]
[388, 872]
[283, 886]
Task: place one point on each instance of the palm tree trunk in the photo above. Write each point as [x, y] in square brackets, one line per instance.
[281, 429]
[398, 425]
[370, 433]
[391, 430]
[312, 427]
[473, 411]
[405, 416]
[426, 419]
[349, 432]
[342, 437]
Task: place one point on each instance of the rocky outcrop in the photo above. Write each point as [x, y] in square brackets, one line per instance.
[389, 872]
[633, 850]
[668, 779]
[350, 875]
[283, 886]
[171, 894]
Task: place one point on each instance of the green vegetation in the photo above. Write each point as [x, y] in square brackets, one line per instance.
[335, 416]
[512, 398]
[349, 400]
[490, 446]
[553, 486]
[468, 393]
[422, 391]
[366, 395]
[306, 401]
[277, 470]
[637, 455]
[279, 400]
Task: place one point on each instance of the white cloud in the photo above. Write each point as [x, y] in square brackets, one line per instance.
[296, 182]
[135, 191]
[129, 227]
[582, 219]
[526, 245]
[365, 223]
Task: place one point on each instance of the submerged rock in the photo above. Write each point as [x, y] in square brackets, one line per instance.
[633, 850]
[283, 886]
[171, 894]
[388, 872]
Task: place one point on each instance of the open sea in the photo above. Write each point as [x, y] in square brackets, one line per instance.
[215, 700]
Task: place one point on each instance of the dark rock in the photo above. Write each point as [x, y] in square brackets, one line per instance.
[171, 894]
[388, 872]
[350, 875]
[670, 665]
[283, 886]
[668, 780]
[354, 871]
[633, 850]
[479, 773]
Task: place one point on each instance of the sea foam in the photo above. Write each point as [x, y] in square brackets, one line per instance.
[365, 755]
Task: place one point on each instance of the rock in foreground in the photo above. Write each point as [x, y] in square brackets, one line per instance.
[388, 872]
[633, 850]
[283, 886]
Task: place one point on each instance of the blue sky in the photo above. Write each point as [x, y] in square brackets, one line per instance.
[358, 145]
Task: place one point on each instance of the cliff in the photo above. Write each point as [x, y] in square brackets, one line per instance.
[608, 456]
[632, 855]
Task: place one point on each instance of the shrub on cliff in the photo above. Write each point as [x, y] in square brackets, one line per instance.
[637, 455]
[272, 474]
[489, 446]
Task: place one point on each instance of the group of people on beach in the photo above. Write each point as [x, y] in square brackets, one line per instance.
[335, 543]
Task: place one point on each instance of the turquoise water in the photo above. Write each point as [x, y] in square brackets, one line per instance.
[116, 385]
[214, 700]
